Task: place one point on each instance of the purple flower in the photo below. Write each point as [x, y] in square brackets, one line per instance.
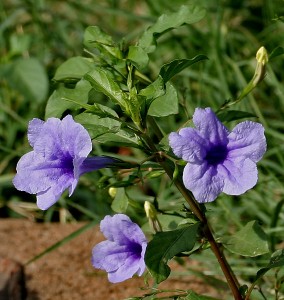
[59, 157]
[218, 160]
[122, 255]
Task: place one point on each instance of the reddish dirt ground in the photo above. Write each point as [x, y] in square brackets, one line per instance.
[67, 273]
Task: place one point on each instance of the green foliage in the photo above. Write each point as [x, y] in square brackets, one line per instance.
[64, 98]
[166, 104]
[120, 201]
[174, 67]
[193, 296]
[185, 15]
[276, 261]
[22, 75]
[73, 69]
[102, 81]
[165, 245]
[138, 57]
[94, 37]
[251, 241]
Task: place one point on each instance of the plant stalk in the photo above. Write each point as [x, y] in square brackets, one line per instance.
[195, 208]
[233, 284]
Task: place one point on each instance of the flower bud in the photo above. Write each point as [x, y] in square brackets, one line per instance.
[112, 192]
[262, 56]
[151, 214]
[262, 60]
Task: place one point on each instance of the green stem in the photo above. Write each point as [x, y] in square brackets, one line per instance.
[234, 286]
[194, 206]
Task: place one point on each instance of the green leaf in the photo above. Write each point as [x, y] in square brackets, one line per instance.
[96, 125]
[176, 66]
[250, 241]
[120, 138]
[94, 37]
[102, 111]
[107, 130]
[170, 222]
[120, 201]
[185, 15]
[166, 104]
[276, 261]
[150, 93]
[276, 52]
[164, 246]
[101, 80]
[56, 104]
[19, 43]
[29, 77]
[138, 57]
[233, 115]
[73, 69]
[154, 90]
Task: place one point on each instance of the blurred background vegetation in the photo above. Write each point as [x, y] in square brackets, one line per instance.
[36, 36]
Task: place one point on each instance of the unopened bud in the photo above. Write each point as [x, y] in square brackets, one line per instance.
[262, 60]
[262, 56]
[112, 191]
[150, 210]
[259, 74]
[151, 214]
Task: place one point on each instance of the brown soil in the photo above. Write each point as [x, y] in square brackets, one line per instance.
[66, 272]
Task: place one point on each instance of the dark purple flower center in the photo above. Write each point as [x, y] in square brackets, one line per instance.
[66, 163]
[216, 155]
[135, 249]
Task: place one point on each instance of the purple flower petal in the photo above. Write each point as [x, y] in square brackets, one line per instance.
[109, 256]
[34, 129]
[59, 157]
[129, 268]
[209, 127]
[122, 229]
[188, 145]
[203, 181]
[122, 255]
[63, 137]
[49, 197]
[240, 176]
[224, 161]
[247, 139]
[35, 174]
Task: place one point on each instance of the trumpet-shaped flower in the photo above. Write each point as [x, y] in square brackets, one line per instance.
[122, 254]
[218, 160]
[59, 157]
